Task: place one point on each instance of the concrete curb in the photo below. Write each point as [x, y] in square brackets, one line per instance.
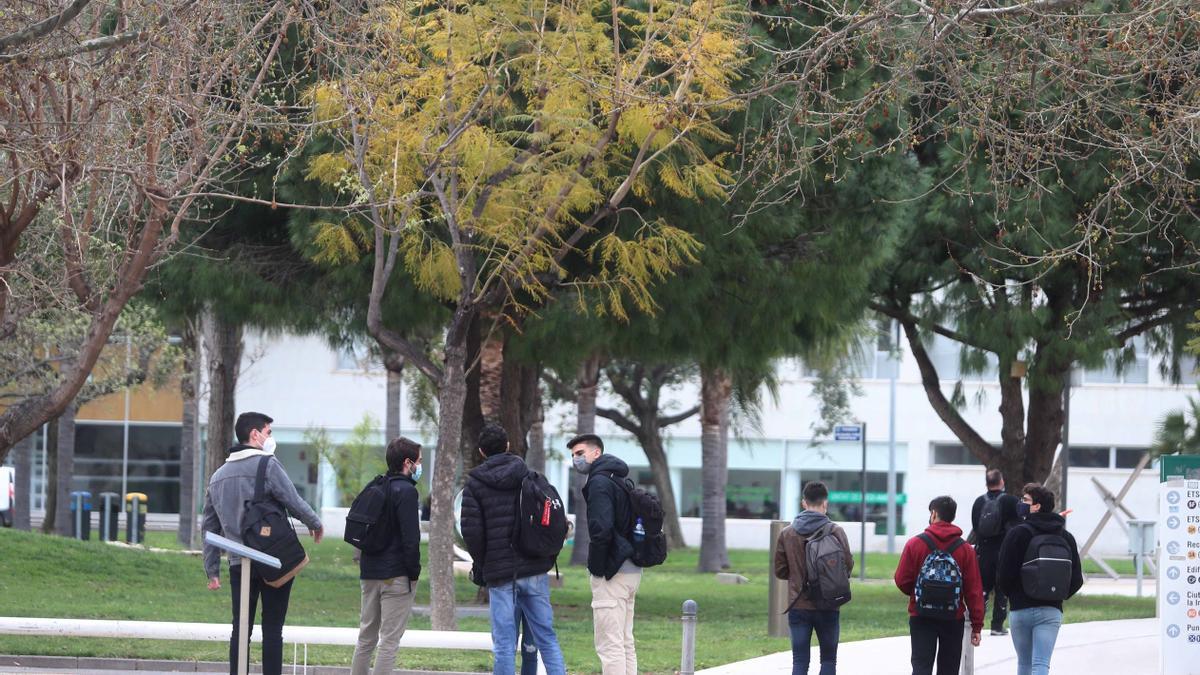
[90, 665]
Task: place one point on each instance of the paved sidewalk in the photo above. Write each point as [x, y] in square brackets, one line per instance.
[1096, 648]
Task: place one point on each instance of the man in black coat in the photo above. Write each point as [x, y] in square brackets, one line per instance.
[517, 585]
[988, 540]
[389, 576]
[614, 577]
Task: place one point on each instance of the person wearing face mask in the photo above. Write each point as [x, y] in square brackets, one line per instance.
[1039, 567]
[389, 577]
[231, 486]
[614, 577]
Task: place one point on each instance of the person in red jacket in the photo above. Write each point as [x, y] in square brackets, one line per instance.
[933, 636]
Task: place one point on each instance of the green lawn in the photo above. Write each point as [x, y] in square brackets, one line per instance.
[53, 577]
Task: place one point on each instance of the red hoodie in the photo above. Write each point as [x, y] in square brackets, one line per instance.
[943, 534]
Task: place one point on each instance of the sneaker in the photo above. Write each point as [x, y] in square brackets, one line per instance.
[999, 631]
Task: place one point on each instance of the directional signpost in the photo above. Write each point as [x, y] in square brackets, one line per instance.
[858, 432]
[247, 555]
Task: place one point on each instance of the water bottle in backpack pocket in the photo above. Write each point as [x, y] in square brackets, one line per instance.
[1046, 570]
[939, 583]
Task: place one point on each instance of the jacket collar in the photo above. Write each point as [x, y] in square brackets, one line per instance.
[240, 452]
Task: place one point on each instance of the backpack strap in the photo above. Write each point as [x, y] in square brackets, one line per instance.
[260, 478]
[953, 547]
[928, 542]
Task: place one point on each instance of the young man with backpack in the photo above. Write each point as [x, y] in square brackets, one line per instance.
[232, 487]
[992, 515]
[625, 535]
[813, 555]
[513, 523]
[384, 523]
[940, 574]
[1039, 567]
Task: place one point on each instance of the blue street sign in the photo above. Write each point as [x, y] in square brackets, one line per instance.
[847, 432]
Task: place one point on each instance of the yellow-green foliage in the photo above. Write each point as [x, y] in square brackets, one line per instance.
[506, 127]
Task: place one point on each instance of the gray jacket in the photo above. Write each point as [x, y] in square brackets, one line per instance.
[232, 486]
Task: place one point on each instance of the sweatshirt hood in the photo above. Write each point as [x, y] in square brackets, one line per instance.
[502, 472]
[607, 463]
[1049, 523]
[242, 451]
[943, 532]
[809, 521]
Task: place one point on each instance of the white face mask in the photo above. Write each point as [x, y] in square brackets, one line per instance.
[269, 445]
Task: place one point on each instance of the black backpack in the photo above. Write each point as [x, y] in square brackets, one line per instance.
[369, 526]
[991, 519]
[1046, 570]
[540, 527]
[825, 560]
[266, 527]
[645, 528]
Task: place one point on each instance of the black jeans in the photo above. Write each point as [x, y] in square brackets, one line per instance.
[999, 609]
[274, 612]
[988, 559]
[943, 637]
[827, 624]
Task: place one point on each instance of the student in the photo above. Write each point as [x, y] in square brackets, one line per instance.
[941, 577]
[388, 577]
[614, 577]
[808, 611]
[1039, 567]
[518, 586]
[992, 516]
[230, 487]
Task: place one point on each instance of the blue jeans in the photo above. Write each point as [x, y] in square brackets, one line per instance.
[1034, 631]
[827, 624]
[529, 596]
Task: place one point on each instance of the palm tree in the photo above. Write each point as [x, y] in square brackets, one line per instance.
[1179, 432]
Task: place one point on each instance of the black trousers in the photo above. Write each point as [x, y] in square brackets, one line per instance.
[999, 608]
[988, 559]
[274, 613]
[939, 640]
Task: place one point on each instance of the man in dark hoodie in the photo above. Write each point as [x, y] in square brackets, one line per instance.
[1001, 509]
[517, 585]
[614, 577]
[230, 487]
[389, 577]
[791, 563]
[937, 638]
[1034, 622]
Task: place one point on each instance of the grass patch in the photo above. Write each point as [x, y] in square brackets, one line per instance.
[54, 577]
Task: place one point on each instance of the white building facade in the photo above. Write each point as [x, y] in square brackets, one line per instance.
[305, 385]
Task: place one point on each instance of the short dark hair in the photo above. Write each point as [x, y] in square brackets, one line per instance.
[399, 450]
[994, 478]
[1039, 495]
[493, 439]
[945, 507]
[587, 439]
[250, 421]
[816, 493]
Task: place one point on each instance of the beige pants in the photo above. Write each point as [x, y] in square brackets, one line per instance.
[612, 616]
[386, 606]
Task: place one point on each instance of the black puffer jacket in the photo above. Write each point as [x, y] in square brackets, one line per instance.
[489, 509]
[608, 516]
[402, 558]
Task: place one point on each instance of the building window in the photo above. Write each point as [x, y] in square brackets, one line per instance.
[748, 494]
[1128, 365]
[953, 454]
[153, 466]
[1084, 457]
[955, 362]
[1128, 458]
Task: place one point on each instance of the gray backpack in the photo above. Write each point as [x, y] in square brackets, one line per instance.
[828, 580]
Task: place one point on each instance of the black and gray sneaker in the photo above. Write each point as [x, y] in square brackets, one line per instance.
[1000, 631]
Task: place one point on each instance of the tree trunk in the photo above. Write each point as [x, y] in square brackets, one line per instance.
[189, 434]
[652, 445]
[395, 383]
[223, 347]
[50, 509]
[452, 396]
[716, 388]
[535, 456]
[585, 423]
[23, 490]
[66, 470]
[491, 368]
[472, 418]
